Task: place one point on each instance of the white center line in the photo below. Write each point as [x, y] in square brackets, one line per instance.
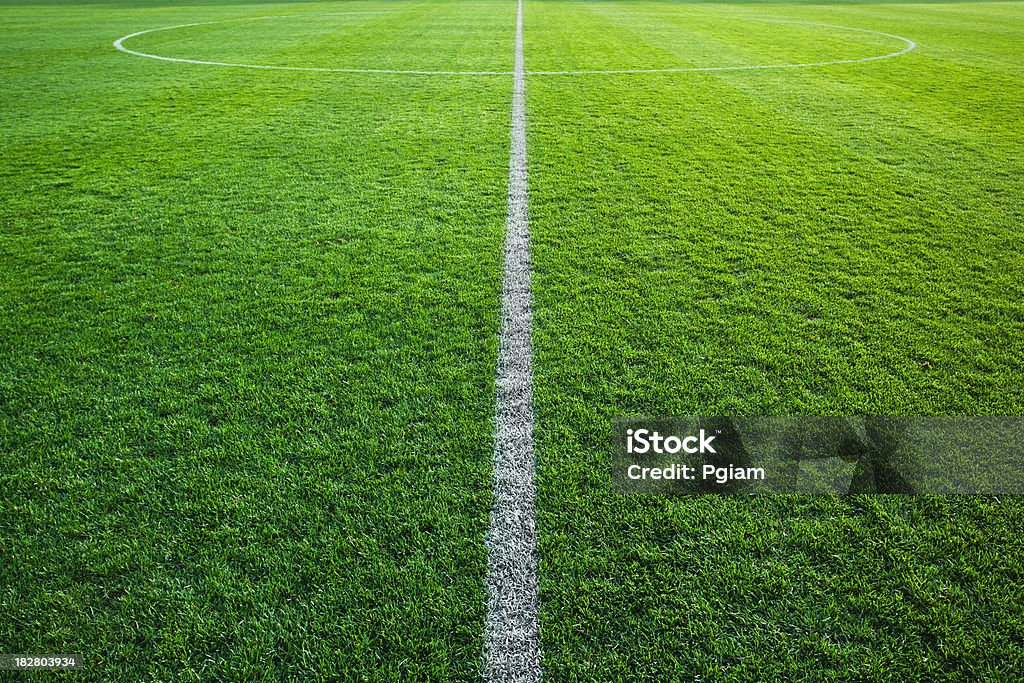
[512, 633]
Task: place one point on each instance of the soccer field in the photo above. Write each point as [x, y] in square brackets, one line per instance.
[251, 290]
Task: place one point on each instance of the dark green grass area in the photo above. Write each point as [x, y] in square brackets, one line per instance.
[248, 332]
[248, 328]
[828, 241]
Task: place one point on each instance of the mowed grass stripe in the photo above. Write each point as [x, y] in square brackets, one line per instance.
[248, 374]
[833, 241]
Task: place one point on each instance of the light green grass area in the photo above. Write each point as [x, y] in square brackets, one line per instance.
[249, 319]
[837, 240]
[249, 327]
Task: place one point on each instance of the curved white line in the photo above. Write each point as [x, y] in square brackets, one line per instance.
[119, 44]
[909, 45]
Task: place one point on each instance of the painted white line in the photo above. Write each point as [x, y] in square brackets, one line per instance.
[512, 633]
[907, 42]
[119, 44]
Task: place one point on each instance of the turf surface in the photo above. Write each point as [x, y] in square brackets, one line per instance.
[837, 240]
[249, 323]
[249, 326]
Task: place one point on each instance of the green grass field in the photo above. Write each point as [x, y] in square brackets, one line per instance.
[249, 326]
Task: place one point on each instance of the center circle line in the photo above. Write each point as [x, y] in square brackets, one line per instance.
[119, 44]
